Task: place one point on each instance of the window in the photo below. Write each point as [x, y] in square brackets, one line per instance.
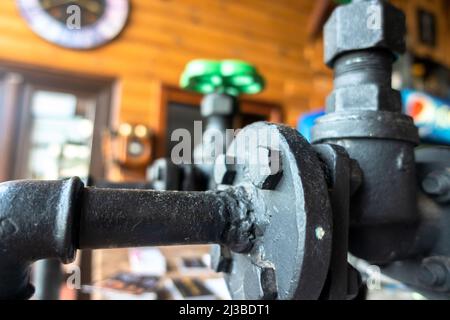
[60, 136]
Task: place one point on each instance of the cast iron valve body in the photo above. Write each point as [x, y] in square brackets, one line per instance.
[364, 116]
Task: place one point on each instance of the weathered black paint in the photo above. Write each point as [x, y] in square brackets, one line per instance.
[364, 117]
[37, 220]
[112, 218]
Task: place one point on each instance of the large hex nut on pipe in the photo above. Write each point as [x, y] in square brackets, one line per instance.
[37, 221]
[364, 97]
[362, 25]
[434, 273]
[287, 259]
[265, 169]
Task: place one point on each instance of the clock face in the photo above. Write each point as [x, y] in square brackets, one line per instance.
[77, 24]
[90, 11]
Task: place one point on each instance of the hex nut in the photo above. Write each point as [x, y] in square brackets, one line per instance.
[364, 97]
[265, 168]
[437, 185]
[362, 25]
[435, 273]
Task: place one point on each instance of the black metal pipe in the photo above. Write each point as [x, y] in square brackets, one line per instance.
[51, 219]
[219, 112]
[362, 67]
[130, 218]
[138, 185]
[47, 278]
[364, 117]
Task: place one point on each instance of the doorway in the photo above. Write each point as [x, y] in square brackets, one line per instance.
[51, 124]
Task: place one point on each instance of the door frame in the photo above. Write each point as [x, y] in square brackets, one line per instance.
[27, 79]
[12, 85]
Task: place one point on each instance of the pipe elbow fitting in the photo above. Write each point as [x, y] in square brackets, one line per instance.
[38, 220]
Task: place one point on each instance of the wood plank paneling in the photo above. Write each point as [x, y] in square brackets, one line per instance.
[163, 35]
[441, 11]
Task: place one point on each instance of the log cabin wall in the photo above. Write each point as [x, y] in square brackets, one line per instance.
[440, 9]
[163, 35]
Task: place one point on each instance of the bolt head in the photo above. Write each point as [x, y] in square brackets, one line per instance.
[362, 25]
[265, 168]
[268, 282]
[435, 184]
[364, 97]
[432, 185]
[435, 273]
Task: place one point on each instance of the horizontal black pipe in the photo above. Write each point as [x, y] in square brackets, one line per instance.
[112, 218]
[51, 219]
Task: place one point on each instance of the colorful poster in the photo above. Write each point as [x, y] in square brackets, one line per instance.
[430, 114]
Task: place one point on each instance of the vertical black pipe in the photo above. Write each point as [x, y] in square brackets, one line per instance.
[364, 117]
[47, 278]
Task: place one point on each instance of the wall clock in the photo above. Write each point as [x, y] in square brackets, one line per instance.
[76, 24]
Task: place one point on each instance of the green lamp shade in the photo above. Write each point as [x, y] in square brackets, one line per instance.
[232, 77]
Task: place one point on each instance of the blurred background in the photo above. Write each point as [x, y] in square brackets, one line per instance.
[90, 88]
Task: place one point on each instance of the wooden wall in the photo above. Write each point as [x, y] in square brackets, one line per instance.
[441, 10]
[163, 35]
